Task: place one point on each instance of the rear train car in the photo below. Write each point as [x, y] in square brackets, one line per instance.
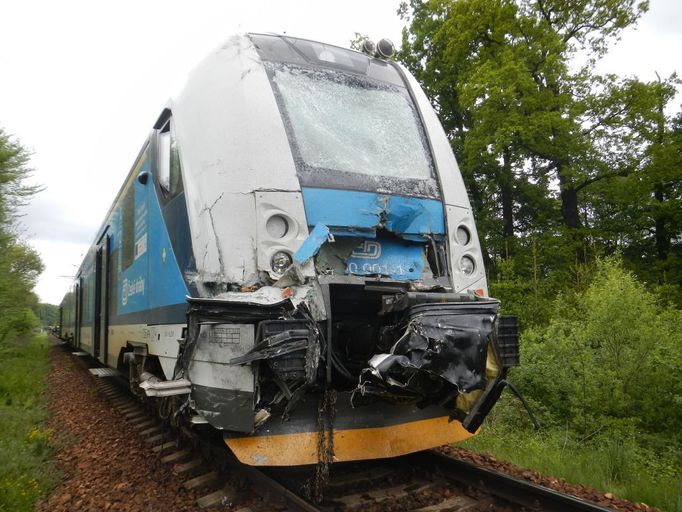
[293, 254]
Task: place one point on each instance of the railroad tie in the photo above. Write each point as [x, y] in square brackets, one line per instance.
[143, 424]
[382, 495]
[176, 456]
[201, 481]
[219, 497]
[187, 467]
[159, 438]
[455, 503]
[156, 429]
[165, 446]
[133, 417]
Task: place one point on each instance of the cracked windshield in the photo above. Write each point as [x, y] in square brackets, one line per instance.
[347, 123]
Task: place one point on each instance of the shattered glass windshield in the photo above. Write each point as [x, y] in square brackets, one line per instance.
[344, 122]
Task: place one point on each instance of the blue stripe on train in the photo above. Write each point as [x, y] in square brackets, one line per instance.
[353, 209]
[154, 279]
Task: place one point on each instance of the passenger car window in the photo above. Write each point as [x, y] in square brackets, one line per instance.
[168, 162]
[128, 229]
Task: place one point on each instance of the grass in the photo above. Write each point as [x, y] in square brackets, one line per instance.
[26, 471]
[613, 465]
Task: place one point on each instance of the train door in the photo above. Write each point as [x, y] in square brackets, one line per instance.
[79, 307]
[101, 312]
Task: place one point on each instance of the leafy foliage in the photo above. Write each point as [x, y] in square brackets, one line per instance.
[48, 314]
[609, 359]
[602, 375]
[575, 182]
[20, 265]
[548, 148]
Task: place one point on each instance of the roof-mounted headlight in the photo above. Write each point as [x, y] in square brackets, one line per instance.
[385, 48]
[368, 47]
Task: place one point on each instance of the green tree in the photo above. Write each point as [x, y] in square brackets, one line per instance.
[20, 265]
[609, 359]
[532, 133]
[642, 215]
[48, 314]
[14, 170]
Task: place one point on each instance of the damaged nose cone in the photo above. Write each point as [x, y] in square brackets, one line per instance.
[440, 353]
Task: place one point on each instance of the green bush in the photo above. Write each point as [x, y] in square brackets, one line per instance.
[609, 359]
[602, 375]
[26, 472]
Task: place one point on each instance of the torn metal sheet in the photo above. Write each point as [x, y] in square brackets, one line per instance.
[405, 300]
[410, 216]
[311, 245]
[224, 398]
[441, 353]
[281, 344]
[290, 347]
[342, 210]
[266, 295]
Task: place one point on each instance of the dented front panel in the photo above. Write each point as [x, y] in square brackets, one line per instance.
[333, 237]
[281, 226]
[222, 394]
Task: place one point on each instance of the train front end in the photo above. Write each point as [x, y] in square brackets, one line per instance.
[340, 298]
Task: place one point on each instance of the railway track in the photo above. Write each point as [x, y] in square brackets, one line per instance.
[423, 482]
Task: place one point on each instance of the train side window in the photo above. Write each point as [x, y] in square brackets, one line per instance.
[169, 166]
[128, 229]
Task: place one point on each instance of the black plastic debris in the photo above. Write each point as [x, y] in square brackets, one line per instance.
[442, 352]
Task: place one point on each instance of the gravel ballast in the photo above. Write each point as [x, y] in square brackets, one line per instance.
[105, 464]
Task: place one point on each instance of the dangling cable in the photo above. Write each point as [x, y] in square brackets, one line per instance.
[513, 389]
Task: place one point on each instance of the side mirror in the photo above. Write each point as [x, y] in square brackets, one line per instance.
[143, 177]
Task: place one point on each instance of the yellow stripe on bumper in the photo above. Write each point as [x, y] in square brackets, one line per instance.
[300, 448]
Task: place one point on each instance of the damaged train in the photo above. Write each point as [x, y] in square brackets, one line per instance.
[294, 240]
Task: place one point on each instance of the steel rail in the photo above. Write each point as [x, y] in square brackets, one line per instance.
[510, 489]
[507, 487]
[269, 487]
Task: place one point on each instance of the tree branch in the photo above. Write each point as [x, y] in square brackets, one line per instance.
[600, 177]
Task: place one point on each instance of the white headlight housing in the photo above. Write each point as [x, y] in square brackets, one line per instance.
[467, 265]
[280, 262]
[277, 226]
[463, 235]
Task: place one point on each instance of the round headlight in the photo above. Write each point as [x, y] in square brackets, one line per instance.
[280, 262]
[467, 265]
[368, 47]
[277, 226]
[463, 235]
[385, 48]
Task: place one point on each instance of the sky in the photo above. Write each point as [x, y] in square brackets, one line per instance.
[82, 82]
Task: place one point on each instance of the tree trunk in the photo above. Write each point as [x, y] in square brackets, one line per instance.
[662, 236]
[507, 197]
[570, 213]
[569, 208]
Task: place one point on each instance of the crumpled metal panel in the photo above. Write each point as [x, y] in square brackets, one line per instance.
[311, 245]
[441, 353]
[351, 209]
